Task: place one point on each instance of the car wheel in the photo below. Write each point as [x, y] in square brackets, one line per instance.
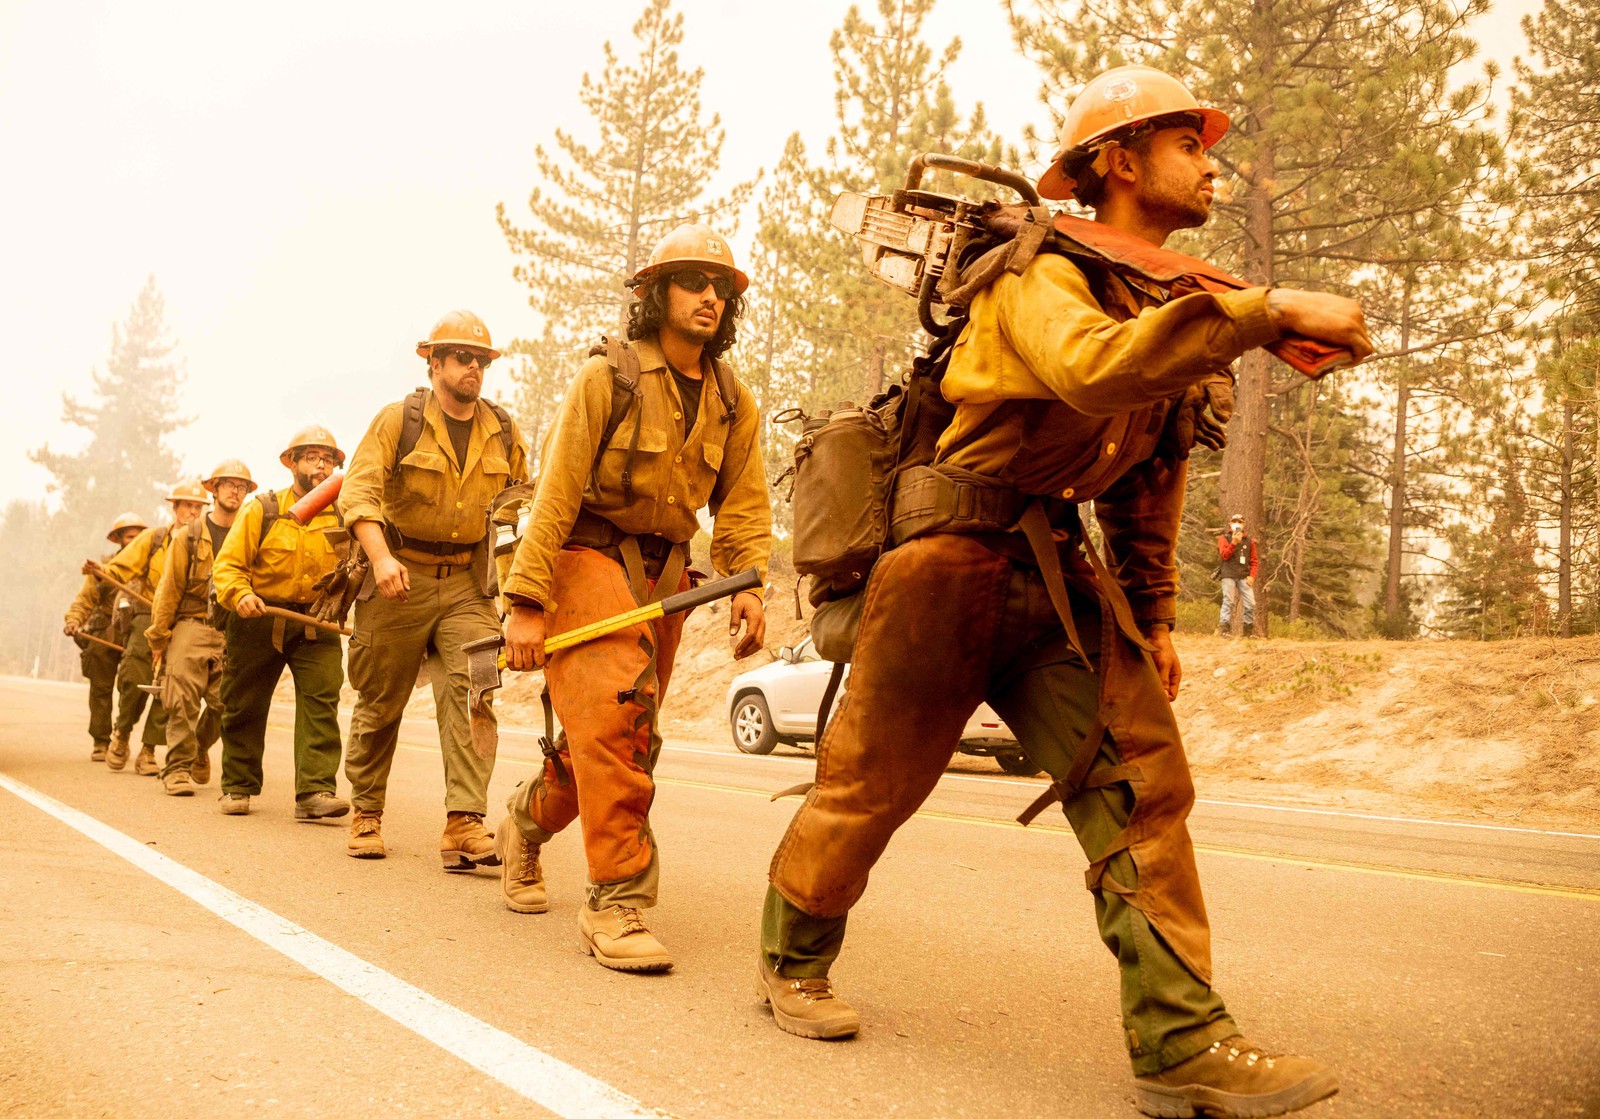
[1016, 763]
[752, 725]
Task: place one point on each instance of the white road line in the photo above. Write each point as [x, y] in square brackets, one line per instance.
[535, 1075]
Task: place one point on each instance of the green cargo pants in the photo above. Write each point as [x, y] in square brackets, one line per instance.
[100, 669]
[249, 676]
[191, 678]
[136, 668]
[439, 616]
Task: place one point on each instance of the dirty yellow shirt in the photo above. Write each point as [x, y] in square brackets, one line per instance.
[282, 567]
[139, 565]
[173, 600]
[718, 466]
[94, 599]
[431, 496]
[1058, 395]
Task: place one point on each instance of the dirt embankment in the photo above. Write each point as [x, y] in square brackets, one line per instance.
[1500, 731]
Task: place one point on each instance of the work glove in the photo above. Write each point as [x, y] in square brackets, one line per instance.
[1200, 417]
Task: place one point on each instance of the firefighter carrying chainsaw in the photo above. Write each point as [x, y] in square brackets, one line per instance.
[1082, 363]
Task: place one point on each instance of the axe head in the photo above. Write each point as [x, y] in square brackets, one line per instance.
[151, 689]
[483, 677]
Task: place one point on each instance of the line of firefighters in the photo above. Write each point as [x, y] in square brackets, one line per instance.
[1070, 383]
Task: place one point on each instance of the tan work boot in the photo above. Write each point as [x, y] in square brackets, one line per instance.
[178, 784]
[521, 876]
[98, 752]
[234, 804]
[617, 937]
[117, 754]
[1235, 1080]
[805, 1007]
[145, 764]
[466, 844]
[366, 835]
[320, 806]
[200, 771]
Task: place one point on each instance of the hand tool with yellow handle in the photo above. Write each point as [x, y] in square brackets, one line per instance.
[485, 660]
[105, 577]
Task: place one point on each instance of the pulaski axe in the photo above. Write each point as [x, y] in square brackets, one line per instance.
[485, 661]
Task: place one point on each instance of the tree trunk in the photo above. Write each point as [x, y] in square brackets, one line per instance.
[1302, 514]
[1397, 475]
[1564, 544]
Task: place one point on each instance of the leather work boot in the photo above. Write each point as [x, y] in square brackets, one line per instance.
[320, 806]
[145, 764]
[466, 844]
[178, 784]
[1235, 1080]
[200, 771]
[233, 804]
[521, 876]
[98, 752]
[805, 1007]
[617, 937]
[366, 835]
[117, 754]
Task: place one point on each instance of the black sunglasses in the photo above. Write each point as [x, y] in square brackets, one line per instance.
[694, 280]
[467, 357]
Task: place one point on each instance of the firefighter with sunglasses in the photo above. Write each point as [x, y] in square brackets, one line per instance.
[652, 430]
[416, 498]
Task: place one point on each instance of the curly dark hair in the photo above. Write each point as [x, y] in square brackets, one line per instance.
[647, 314]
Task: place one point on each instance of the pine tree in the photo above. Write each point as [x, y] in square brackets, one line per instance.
[604, 203]
[1343, 118]
[1494, 589]
[127, 463]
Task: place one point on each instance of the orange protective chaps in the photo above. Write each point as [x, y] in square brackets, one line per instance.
[606, 694]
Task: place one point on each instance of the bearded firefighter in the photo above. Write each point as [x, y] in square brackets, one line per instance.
[620, 490]
[1071, 384]
[417, 500]
[138, 567]
[89, 623]
[185, 636]
[271, 559]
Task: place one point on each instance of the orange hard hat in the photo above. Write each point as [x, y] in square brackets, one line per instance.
[691, 244]
[230, 468]
[189, 491]
[314, 435]
[458, 328]
[125, 522]
[1116, 100]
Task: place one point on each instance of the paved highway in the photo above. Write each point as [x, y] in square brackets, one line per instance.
[159, 959]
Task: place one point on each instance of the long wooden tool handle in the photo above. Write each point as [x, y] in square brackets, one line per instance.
[104, 576]
[307, 619]
[101, 641]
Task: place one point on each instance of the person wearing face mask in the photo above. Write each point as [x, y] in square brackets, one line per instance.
[186, 638]
[1237, 564]
[653, 430]
[270, 559]
[417, 500]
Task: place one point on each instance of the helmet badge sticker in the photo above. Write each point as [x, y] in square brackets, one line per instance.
[714, 247]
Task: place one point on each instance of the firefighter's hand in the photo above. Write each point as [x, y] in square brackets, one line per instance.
[525, 638]
[393, 580]
[1326, 318]
[89, 566]
[747, 610]
[1168, 670]
[70, 629]
[251, 606]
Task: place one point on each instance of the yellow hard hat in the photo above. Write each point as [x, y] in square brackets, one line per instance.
[189, 491]
[124, 522]
[691, 244]
[230, 468]
[1116, 100]
[314, 435]
[458, 328]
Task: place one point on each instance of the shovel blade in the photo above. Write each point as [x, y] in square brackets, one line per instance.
[485, 730]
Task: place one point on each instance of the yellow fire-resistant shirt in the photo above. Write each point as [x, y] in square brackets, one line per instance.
[717, 466]
[93, 602]
[284, 565]
[431, 496]
[139, 565]
[176, 597]
[1059, 395]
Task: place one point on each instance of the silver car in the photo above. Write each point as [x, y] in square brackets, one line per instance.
[778, 702]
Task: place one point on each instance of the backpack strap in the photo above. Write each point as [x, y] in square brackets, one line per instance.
[625, 390]
[505, 432]
[727, 388]
[270, 512]
[411, 425]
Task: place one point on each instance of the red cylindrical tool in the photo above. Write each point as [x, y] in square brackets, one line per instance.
[317, 500]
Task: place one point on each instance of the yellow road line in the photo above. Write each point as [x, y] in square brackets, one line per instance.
[1483, 882]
